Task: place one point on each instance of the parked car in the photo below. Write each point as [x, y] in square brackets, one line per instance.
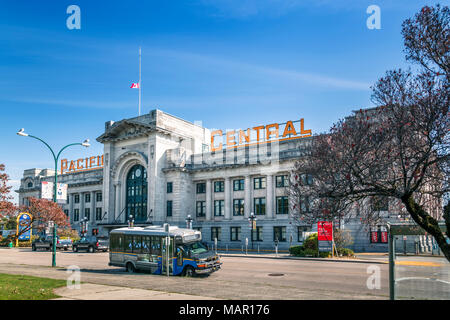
[91, 244]
[45, 242]
[64, 244]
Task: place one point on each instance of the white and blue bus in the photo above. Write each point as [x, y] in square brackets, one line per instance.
[144, 248]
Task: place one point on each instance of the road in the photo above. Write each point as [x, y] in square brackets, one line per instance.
[240, 277]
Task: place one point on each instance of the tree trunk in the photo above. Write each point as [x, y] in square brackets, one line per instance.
[427, 222]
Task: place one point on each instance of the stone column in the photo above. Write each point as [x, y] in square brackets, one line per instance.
[228, 200]
[93, 201]
[248, 196]
[116, 201]
[71, 208]
[82, 206]
[270, 213]
[208, 199]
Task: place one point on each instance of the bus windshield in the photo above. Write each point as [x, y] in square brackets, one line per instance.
[195, 248]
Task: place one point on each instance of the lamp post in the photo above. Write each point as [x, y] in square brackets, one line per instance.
[86, 144]
[84, 226]
[130, 221]
[189, 221]
[252, 220]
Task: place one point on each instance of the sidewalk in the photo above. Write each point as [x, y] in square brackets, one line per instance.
[91, 291]
[377, 260]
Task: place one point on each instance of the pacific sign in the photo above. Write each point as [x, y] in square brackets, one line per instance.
[258, 135]
[82, 164]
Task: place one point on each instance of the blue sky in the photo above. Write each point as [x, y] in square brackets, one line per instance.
[227, 63]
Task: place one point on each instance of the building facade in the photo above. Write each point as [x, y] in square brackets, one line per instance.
[158, 168]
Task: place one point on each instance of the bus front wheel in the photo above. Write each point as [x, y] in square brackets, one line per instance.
[189, 271]
[130, 267]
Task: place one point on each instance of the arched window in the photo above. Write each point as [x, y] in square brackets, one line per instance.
[136, 200]
[30, 185]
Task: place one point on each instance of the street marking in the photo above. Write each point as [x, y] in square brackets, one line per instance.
[418, 263]
[419, 278]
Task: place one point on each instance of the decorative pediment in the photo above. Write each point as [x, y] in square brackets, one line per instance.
[126, 129]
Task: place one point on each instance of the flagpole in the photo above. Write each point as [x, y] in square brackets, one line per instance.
[139, 81]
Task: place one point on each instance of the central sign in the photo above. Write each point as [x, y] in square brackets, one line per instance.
[258, 135]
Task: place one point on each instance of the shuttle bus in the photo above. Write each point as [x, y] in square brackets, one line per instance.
[144, 248]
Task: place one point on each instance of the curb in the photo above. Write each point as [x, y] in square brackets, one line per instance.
[305, 259]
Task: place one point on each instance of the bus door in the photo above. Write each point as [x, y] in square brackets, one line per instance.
[167, 257]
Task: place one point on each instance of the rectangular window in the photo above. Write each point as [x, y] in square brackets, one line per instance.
[137, 244]
[128, 244]
[76, 214]
[304, 204]
[238, 207]
[219, 186]
[279, 233]
[259, 205]
[201, 208]
[282, 181]
[87, 198]
[87, 213]
[301, 233]
[156, 247]
[219, 207]
[238, 185]
[282, 205]
[98, 196]
[146, 245]
[66, 212]
[216, 232]
[169, 208]
[257, 235]
[76, 198]
[169, 187]
[306, 179]
[259, 183]
[98, 213]
[201, 187]
[235, 233]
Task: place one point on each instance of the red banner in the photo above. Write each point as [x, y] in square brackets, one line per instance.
[324, 231]
[384, 237]
[374, 236]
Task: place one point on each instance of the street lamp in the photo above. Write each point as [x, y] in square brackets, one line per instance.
[252, 220]
[86, 144]
[189, 221]
[130, 221]
[84, 226]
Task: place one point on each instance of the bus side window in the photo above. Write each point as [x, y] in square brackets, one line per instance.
[128, 244]
[137, 243]
[146, 245]
[156, 247]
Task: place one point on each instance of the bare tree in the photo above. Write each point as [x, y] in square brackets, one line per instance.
[397, 151]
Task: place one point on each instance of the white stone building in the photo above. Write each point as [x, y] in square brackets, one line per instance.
[158, 169]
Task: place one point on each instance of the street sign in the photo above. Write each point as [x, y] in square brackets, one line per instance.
[23, 223]
[325, 235]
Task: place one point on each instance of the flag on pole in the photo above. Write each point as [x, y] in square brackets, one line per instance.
[135, 86]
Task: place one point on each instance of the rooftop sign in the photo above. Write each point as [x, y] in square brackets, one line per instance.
[259, 135]
[82, 164]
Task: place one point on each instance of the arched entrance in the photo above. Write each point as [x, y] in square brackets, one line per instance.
[136, 196]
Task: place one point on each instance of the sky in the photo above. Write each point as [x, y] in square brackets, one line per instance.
[228, 63]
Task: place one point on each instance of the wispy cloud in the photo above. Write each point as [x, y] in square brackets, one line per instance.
[75, 103]
[263, 71]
